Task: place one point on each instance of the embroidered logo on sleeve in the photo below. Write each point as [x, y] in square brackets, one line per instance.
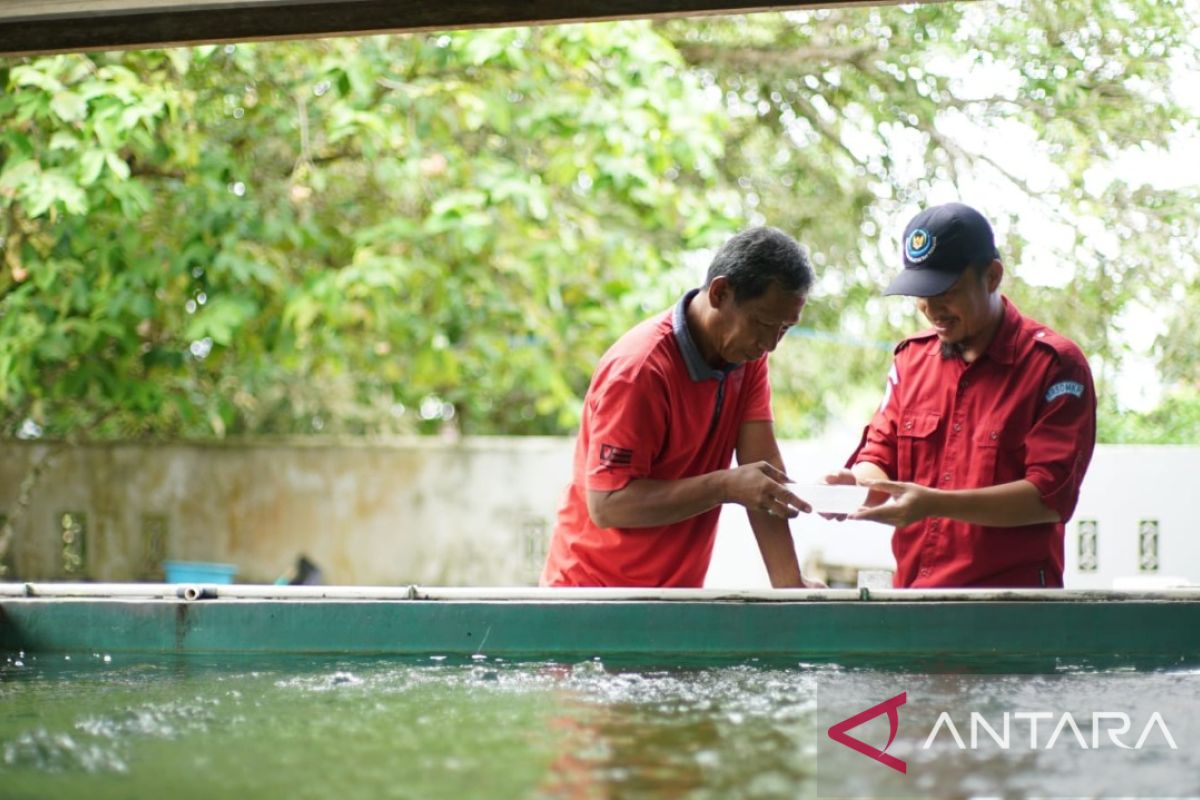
[1064, 387]
[613, 456]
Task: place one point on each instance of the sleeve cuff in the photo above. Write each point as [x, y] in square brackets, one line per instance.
[1058, 496]
[607, 482]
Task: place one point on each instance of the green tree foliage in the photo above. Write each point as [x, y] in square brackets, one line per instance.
[1175, 420]
[843, 122]
[365, 235]
[338, 235]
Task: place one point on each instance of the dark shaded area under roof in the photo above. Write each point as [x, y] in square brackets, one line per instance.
[45, 26]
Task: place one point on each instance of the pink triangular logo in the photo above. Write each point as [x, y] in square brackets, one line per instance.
[838, 732]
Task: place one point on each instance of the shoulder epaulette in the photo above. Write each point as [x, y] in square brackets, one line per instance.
[920, 336]
[1061, 345]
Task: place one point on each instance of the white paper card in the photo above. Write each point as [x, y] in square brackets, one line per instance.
[831, 499]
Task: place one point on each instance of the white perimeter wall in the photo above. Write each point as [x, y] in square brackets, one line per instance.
[1125, 484]
[473, 513]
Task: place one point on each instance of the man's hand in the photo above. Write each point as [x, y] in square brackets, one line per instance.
[844, 477]
[798, 581]
[911, 503]
[761, 487]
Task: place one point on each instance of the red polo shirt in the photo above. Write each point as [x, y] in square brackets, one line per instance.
[1025, 409]
[654, 410]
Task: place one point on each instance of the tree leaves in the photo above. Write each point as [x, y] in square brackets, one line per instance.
[299, 237]
[332, 236]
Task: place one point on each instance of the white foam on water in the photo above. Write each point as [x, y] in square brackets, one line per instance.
[59, 752]
[321, 683]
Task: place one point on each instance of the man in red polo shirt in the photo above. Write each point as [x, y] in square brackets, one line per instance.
[987, 423]
[668, 405]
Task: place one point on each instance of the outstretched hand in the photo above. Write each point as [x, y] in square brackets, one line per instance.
[760, 486]
[844, 477]
[911, 503]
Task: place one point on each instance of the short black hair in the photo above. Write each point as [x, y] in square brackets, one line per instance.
[756, 258]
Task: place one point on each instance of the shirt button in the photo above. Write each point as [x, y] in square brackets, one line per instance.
[924, 572]
[908, 425]
[994, 435]
[957, 427]
[946, 478]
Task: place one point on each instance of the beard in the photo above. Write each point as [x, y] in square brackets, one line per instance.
[951, 350]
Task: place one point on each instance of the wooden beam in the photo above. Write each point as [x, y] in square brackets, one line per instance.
[47, 26]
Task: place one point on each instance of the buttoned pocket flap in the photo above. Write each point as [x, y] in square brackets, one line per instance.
[919, 425]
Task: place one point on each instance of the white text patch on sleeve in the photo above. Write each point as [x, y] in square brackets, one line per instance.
[1064, 387]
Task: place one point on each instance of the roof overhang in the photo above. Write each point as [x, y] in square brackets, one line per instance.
[48, 26]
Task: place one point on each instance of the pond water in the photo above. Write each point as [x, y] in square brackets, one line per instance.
[95, 726]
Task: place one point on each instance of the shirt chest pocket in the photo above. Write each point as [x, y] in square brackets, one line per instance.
[917, 456]
[999, 454]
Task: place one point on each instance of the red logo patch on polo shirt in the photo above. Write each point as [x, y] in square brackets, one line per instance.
[613, 456]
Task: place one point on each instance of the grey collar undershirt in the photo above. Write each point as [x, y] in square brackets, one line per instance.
[698, 368]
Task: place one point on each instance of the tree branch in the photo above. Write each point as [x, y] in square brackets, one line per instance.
[302, 117]
[12, 236]
[756, 58]
[955, 149]
[1037, 109]
[822, 127]
[137, 170]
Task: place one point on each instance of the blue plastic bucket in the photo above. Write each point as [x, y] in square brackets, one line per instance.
[198, 572]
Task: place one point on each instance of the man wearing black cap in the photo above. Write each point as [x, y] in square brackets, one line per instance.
[987, 423]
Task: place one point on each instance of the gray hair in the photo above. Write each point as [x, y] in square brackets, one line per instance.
[756, 258]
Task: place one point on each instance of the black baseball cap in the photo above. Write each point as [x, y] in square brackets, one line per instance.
[939, 244]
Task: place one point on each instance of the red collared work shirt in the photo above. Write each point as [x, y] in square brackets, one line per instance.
[654, 410]
[1026, 409]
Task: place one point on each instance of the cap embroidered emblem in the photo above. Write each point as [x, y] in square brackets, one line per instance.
[919, 245]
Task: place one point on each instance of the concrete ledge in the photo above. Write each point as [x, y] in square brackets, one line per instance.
[113, 591]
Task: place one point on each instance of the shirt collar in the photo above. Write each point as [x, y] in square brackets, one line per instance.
[698, 368]
[1003, 348]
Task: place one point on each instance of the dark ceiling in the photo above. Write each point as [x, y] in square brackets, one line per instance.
[44, 26]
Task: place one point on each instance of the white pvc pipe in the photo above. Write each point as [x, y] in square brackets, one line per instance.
[548, 595]
[796, 595]
[272, 592]
[169, 591]
[196, 591]
[130, 590]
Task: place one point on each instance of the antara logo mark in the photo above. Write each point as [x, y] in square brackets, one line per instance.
[838, 732]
